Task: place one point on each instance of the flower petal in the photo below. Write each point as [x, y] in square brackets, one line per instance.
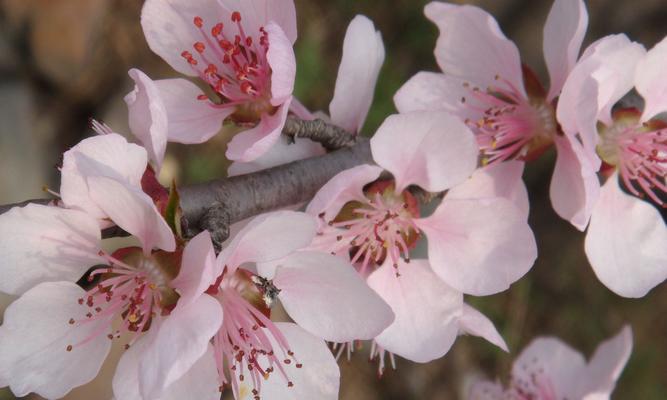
[282, 152]
[258, 13]
[607, 364]
[472, 47]
[200, 382]
[625, 243]
[344, 187]
[268, 237]
[434, 150]
[198, 269]
[325, 296]
[550, 359]
[251, 144]
[563, 34]
[574, 186]
[181, 340]
[363, 55]
[650, 82]
[191, 120]
[147, 115]
[283, 64]
[132, 210]
[479, 247]
[475, 323]
[106, 155]
[496, 180]
[44, 243]
[169, 28]
[427, 311]
[318, 378]
[35, 336]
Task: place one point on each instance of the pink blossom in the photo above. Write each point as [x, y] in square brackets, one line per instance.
[549, 369]
[626, 237]
[479, 241]
[363, 55]
[241, 49]
[485, 84]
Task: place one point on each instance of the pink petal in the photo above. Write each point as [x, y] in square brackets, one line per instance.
[169, 28]
[251, 144]
[35, 335]
[147, 115]
[497, 180]
[363, 55]
[550, 360]
[43, 243]
[325, 296]
[430, 91]
[563, 33]
[344, 187]
[258, 13]
[427, 311]
[625, 243]
[475, 323]
[434, 150]
[318, 378]
[479, 247]
[472, 47]
[181, 340]
[650, 82]
[198, 269]
[268, 237]
[108, 155]
[283, 64]
[200, 382]
[132, 210]
[486, 390]
[574, 186]
[191, 120]
[282, 152]
[607, 364]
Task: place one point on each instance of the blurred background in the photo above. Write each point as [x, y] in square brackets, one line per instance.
[63, 61]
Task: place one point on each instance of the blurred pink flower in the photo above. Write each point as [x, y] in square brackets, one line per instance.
[549, 369]
[626, 237]
[241, 49]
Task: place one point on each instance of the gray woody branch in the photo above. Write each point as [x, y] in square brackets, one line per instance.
[217, 204]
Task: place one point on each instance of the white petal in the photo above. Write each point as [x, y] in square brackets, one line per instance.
[147, 115]
[198, 269]
[44, 244]
[257, 13]
[253, 143]
[282, 152]
[434, 150]
[132, 210]
[325, 296]
[35, 336]
[626, 241]
[607, 364]
[363, 55]
[427, 311]
[650, 82]
[282, 61]
[181, 340]
[318, 378]
[106, 155]
[475, 323]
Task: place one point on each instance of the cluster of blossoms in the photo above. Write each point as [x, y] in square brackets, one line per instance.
[384, 252]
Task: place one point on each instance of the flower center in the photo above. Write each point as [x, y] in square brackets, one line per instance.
[510, 125]
[381, 227]
[639, 151]
[233, 63]
[135, 288]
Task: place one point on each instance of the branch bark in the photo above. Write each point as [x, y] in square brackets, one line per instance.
[330, 136]
[217, 204]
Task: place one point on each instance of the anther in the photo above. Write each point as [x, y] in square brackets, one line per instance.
[199, 22]
[236, 16]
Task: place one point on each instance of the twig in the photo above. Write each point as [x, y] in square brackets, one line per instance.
[330, 136]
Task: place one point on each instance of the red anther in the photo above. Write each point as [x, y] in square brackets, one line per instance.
[236, 16]
[202, 97]
[217, 29]
[226, 45]
[199, 22]
[226, 59]
[186, 54]
[200, 47]
[290, 384]
[211, 69]
[237, 40]
[246, 87]
[248, 41]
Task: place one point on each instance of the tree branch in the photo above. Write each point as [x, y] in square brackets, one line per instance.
[217, 204]
[330, 136]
